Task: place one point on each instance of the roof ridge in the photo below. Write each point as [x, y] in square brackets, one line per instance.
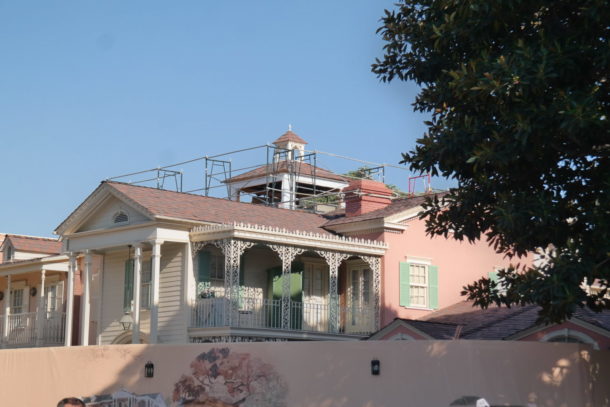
[52, 239]
[209, 197]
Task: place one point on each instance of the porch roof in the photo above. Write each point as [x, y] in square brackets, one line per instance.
[275, 235]
[50, 263]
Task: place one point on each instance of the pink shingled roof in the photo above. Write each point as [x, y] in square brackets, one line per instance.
[185, 206]
[290, 136]
[32, 244]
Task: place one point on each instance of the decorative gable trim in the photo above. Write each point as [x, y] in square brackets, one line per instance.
[576, 321]
[392, 326]
[94, 201]
[283, 236]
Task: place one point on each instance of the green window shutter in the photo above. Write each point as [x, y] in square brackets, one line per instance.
[433, 287]
[493, 276]
[128, 287]
[203, 267]
[405, 298]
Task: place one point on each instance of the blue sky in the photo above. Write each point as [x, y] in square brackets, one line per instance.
[94, 89]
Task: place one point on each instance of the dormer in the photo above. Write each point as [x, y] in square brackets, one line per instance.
[19, 247]
[289, 146]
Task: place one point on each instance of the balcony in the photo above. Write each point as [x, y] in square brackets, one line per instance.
[32, 329]
[256, 313]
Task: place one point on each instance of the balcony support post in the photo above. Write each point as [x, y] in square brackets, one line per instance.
[287, 255]
[333, 259]
[232, 249]
[375, 265]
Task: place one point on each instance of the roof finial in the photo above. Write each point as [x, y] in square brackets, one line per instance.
[290, 127]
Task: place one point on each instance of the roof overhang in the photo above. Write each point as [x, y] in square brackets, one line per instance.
[102, 239]
[368, 226]
[50, 263]
[258, 233]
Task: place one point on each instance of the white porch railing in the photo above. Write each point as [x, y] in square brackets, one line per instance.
[263, 313]
[26, 329]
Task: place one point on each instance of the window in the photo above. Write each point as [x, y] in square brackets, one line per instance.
[53, 294]
[145, 285]
[418, 285]
[418, 280]
[17, 305]
[217, 267]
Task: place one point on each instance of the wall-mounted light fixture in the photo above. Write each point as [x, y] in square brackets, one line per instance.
[375, 367]
[126, 321]
[33, 291]
[149, 369]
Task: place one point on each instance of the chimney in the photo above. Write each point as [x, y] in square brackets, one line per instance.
[363, 196]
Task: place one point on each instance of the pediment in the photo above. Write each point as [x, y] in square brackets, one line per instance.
[112, 212]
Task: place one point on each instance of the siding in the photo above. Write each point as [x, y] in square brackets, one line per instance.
[173, 314]
[103, 217]
[112, 297]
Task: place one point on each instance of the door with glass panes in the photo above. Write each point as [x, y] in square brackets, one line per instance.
[315, 297]
[358, 313]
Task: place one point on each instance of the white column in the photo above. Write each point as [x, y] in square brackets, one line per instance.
[286, 193]
[85, 300]
[40, 314]
[7, 307]
[156, 271]
[137, 286]
[70, 301]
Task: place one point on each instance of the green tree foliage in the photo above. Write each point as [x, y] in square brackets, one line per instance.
[518, 96]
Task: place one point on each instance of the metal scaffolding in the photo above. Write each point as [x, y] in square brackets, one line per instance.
[300, 169]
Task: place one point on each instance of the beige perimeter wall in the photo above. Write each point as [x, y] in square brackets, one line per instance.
[308, 374]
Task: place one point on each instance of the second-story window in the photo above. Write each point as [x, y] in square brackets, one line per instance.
[418, 285]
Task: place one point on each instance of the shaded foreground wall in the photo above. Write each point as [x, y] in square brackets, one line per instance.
[307, 374]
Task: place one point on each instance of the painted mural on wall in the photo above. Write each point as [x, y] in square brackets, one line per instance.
[224, 378]
[124, 398]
